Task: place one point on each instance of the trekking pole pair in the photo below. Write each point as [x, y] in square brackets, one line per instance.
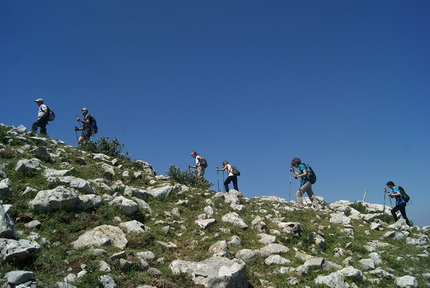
[217, 179]
[76, 130]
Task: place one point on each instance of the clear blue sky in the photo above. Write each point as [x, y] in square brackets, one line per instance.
[344, 85]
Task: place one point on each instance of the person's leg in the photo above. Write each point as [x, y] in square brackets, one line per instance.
[402, 208]
[42, 123]
[393, 212]
[34, 127]
[299, 195]
[308, 188]
[43, 129]
[200, 171]
[235, 183]
[226, 182]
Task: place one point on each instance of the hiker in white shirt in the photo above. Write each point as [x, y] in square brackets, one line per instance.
[231, 177]
[42, 117]
[198, 164]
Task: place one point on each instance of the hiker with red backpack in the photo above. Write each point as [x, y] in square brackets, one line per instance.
[400, 202]
[232, 173]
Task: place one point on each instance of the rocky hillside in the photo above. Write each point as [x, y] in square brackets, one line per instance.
[72, 218]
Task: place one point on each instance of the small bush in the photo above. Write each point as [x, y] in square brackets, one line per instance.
[359, 207]
[109, 147]
[187, 178]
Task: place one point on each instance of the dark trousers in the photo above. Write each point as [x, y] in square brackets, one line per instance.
[228, 180]
[40, 123]
[402, 208]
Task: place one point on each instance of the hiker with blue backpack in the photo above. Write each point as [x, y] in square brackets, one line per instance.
[307, 179]
[89, 126]
[200, 164]
[400, 195]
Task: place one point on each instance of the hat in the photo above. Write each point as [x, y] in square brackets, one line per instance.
[39, 100]
[86, 109]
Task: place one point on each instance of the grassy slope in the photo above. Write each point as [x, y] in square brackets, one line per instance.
[62, 227]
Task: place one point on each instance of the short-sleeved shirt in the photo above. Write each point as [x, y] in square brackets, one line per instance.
[87, 117]
[399, 199]
[42, 109]
[302, 167]
[197, 159]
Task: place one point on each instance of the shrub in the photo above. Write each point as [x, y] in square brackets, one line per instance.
[109, 147]
[187, 178]
[359, 207]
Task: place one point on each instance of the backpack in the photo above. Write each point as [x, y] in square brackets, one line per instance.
[51, 114]
[204, 163]
[93, 124]
[312, 177]
[235, 171]
[405, 196]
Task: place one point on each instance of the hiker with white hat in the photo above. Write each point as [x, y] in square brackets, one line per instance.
[42, 117]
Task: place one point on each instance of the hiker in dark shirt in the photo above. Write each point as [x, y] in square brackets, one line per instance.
[400, 203]
[86, 128]
[42, 117]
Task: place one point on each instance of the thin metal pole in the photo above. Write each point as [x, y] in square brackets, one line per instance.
[365, 193]
[217, 179]
[289, 193]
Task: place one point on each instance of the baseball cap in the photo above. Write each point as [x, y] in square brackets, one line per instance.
[39, 100]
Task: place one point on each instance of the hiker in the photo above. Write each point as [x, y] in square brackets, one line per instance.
[400, 203]
[42, 117]
[200, 164]
[86, 128]
[231, 177]
[305, 184]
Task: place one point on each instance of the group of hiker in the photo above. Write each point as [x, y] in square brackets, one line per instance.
[45, 114]
[305, 173]
[307, 178]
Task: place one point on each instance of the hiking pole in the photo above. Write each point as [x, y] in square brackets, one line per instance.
[385, 195]
[217, 179]
[289, 193]
[386, 192]
[223, 179]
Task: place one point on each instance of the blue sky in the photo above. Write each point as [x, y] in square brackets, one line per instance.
[344, 85]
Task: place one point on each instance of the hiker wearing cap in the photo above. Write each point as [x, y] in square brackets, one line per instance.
[200, 164]
[400, 203]
[305, 184]
[42, 117]
[86, 128]
[231, 177]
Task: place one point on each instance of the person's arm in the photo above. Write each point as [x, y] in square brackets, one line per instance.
[84, 121]
[396, 192]
[223, 168]
[302, 174]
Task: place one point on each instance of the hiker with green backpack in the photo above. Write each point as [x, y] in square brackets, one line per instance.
[89, 127]
[200, 164]
[308, 178]
[401, 198]
[232, 173]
